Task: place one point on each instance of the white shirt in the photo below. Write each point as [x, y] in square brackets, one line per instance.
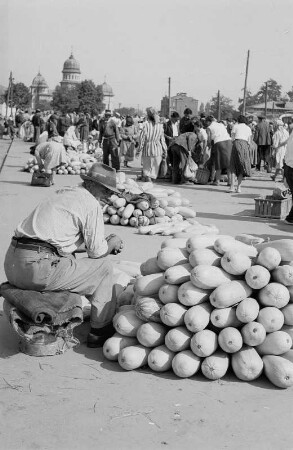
[289, 152]
[67, 220]
[219, 132]
[175, 129]
[241, 131]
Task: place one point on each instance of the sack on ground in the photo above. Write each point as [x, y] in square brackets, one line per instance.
[42, 179]
[190, 169]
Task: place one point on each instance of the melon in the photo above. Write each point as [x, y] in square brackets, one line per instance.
[160, 359]
[205, 256]
[275, 343]
[235, 263]
[288, 329]
[126, 296]
[253, 333]
[290, 289]
[230, 340]
[247, 310]
[257, 277]
[204, 343]
[278, 370]
[203, 241]
[190, 295]
[224, 317]
[150, 266]
[115, 344]
[178, 339]
[149, 284]
[133, 357]
[168, 293]
[197, 317]
[271, 318]
[178, 274]
[151, 334]
[175, 243]
[226, 244]
[215, 366]
[283, 275]
[172, 314]
[274, 294]
[208, 277]
[230, 293]
[168, 257]
[269, 258]
[247, 364]
[288, 355]
[185, 364]
[148, 308]
[126, 322]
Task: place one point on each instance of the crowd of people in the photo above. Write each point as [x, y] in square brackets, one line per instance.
[231, 147]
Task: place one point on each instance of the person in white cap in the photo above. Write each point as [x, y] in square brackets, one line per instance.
[41, 254]
[279, 147]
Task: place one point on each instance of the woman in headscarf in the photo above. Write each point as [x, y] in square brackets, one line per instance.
[129, 134]
[240, 164]
[70, 138]
[152, 145]
[279, 147]
[83, 128]
[52, 128]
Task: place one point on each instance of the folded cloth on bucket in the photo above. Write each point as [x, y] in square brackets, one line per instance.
[53, 308]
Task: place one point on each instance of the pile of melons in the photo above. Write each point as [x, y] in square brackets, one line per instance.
[81, 163]
[207, 303]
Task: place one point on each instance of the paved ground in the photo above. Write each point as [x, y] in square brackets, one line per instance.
[79, 400]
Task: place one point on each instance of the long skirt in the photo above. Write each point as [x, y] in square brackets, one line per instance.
[127, 150]
[221, 155]
[151, 165]
[240, 158]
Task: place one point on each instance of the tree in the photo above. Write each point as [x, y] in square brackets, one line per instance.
[227, 109]
[274, 91]
[20, 95]
[290, 94]
[65, 99]
[207, 108]
[43, 105]
[124, 111]
[201, 108]
[90, 97]
[250, 100]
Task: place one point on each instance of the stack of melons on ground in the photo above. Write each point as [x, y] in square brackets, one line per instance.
[207, 303]
[149, 216]
[81, 163]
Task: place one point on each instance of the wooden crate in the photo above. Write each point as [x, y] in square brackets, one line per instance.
[202, 176]
[272, 208]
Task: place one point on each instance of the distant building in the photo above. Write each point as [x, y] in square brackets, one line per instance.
[107, 96]
[181, 101]
[71, 72]
[39, 91]
[274, 109]
[165, 106]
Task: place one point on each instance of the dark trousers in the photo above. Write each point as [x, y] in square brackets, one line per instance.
[263, 154]
[37, 132]
[110, 147]
[178, 158]
[288, 174]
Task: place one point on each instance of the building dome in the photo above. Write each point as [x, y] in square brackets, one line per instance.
[71, 65]
[39, 81]
[107, 90]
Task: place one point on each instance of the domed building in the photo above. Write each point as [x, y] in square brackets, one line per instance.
[107, 95]
[71, 72]
[40, 91]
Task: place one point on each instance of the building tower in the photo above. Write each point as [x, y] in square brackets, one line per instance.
[107, 95]
[40, 91]
[71, 72]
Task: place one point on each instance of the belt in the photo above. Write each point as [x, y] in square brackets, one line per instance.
[33, 244]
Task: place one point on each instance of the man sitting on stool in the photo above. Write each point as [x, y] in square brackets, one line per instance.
[41, 253]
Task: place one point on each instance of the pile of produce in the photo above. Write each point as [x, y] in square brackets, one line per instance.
[153, 210]
[77, 164]
[206, 303]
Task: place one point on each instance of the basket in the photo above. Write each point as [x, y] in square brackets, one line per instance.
[272, 207]
[202, 175]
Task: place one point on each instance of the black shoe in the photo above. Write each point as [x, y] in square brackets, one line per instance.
[97, 337]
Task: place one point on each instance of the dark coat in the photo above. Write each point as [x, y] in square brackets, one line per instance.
[262, 135]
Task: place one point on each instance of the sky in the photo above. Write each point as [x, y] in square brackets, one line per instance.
[135, 45]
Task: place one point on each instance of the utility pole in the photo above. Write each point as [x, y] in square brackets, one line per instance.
[219, 107]
[169, 97]
[266, 99]
[245, 84]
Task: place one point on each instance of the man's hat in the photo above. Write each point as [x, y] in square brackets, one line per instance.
[108, 112]
[102, 174]
[261, 116]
